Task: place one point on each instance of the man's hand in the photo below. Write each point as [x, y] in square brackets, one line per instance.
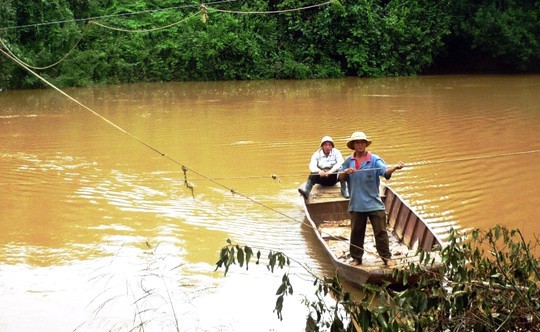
[350, 170]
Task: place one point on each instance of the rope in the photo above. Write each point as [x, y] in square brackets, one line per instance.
[204, 18]
[51, 65]
[94, 18]
[145, 30]
[184, 168]
[203, 9]
[297, 175]
[272, 11]
[107, 16]
[415, 164]
[424, 163]
[84, 32]
[12, 56]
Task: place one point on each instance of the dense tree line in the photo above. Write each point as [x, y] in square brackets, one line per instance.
[241, 39]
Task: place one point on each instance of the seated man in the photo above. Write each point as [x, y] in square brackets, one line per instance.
[323, 167]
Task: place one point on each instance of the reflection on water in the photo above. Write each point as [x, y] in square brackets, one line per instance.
[93, 221]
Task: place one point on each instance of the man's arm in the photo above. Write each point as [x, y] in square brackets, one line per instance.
[343, 175]
[313, 168]
[392, 169]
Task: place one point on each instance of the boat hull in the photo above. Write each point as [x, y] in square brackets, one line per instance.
[328, 216]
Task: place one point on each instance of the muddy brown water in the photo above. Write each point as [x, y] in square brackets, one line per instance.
[99, 230]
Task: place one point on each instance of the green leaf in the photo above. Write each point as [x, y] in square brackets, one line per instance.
[279, 307]
[382, 321]
[218, 264]
[240, 256]
[249, 253]
[281, 289]
[230, 256]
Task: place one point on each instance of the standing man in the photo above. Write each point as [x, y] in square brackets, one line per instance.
[323, 166]
[363, 170]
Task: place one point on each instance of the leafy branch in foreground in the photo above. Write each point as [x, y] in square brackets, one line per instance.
[489, 282]
[232, 253]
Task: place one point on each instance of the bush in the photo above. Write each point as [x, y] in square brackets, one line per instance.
[490, 282]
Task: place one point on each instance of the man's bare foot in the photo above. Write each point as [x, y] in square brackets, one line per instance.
[389, 262]
[356, 262]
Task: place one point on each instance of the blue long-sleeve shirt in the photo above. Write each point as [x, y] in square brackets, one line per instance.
[364, 183]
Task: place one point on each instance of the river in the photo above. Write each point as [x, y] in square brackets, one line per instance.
[100, 232]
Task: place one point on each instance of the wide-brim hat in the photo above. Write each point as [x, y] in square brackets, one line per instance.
[358, 136]
[327, 139]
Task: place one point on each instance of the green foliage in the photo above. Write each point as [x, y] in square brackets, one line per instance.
[8, 16]
[490, 282]
[509, 34]
[497, 33]
[230, 254]
[347, 37]
[369, 38]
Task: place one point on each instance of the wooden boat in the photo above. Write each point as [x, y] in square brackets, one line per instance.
[327, 212]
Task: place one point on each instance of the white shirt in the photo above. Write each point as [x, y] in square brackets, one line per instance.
[319, 161]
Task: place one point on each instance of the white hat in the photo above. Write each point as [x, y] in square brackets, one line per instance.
[358, 136]
[327, 139]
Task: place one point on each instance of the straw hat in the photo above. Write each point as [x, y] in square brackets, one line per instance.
[358, 136]
[327, 139]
